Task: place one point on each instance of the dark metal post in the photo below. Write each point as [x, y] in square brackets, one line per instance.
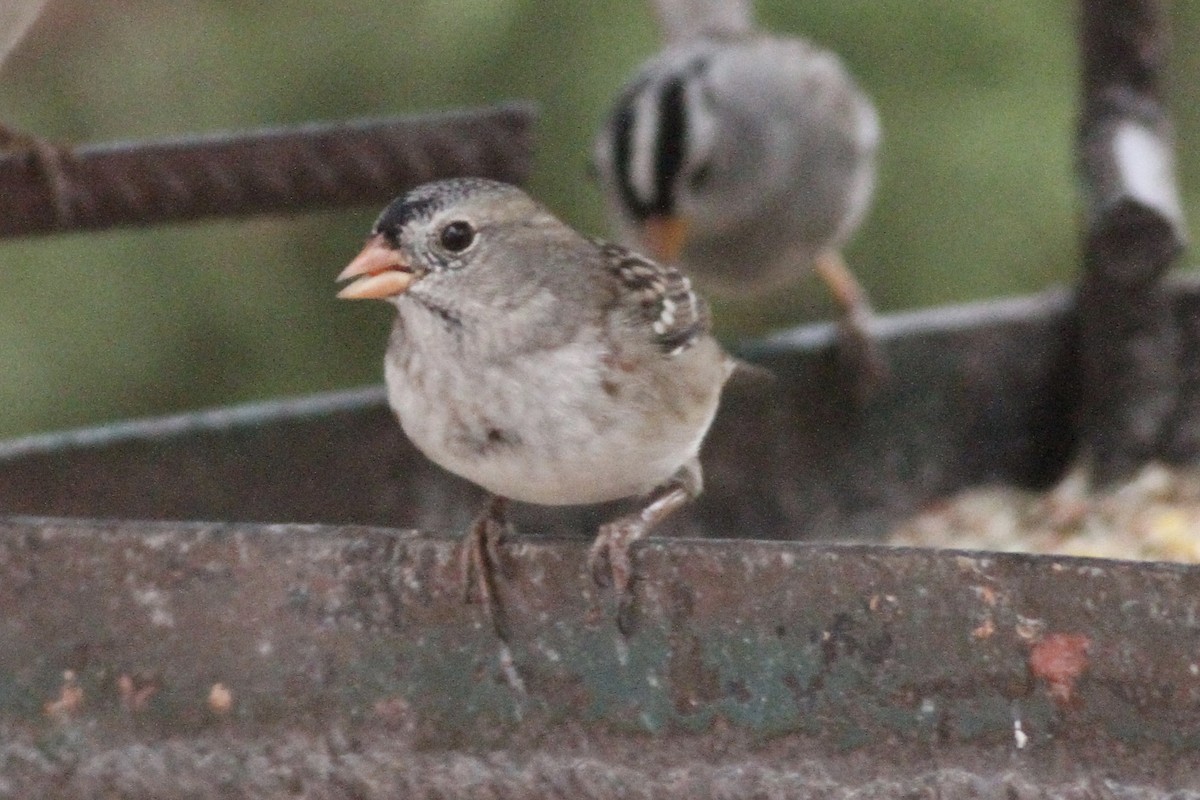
[1133, 228]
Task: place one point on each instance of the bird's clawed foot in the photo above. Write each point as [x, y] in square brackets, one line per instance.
[609, 561]
[610, 564]
[481, 561]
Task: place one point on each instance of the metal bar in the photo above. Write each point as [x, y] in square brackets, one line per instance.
[1128, 343]
[977, 396]
[981, 394]
[173, 659]
[270, 171]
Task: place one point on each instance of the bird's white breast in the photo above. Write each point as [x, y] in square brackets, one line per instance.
[558, 426]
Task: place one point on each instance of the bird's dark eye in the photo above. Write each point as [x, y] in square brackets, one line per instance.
[457, 236]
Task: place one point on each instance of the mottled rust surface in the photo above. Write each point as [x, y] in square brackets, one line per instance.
[283, 657]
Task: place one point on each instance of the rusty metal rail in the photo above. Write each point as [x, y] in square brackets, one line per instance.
[977, 397]
[271, 171]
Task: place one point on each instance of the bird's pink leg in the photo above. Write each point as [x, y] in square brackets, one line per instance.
[608, 559]
[862, 349]
[481, 559]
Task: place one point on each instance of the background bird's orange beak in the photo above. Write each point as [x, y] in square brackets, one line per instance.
[380, 270]
[664, 237]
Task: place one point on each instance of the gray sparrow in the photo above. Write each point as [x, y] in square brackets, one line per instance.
[748, 158]
[539, 364]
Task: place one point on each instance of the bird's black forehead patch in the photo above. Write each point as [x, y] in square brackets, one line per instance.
[426, 200]
[401, 211]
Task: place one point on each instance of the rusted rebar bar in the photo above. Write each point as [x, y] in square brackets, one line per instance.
[278, 170]
[1128, 343]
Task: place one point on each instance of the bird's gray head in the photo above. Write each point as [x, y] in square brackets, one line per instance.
[674, 156]
[460, 249]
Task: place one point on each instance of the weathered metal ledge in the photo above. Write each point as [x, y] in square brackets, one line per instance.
[196, 660]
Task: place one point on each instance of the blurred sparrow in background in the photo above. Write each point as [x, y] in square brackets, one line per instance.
[745, 157]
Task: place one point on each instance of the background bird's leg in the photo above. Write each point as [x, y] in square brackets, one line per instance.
[608, 559]
[48, 159]
[864, 353]
[481, 558]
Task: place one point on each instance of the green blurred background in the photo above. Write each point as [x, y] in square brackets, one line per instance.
[976, 196]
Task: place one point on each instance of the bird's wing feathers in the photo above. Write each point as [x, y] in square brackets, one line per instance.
[661, 297]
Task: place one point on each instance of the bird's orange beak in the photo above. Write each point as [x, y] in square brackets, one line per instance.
[381, 272]
[664, 237]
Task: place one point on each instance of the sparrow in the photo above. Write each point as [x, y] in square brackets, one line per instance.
[749, 158]
[542, 365]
